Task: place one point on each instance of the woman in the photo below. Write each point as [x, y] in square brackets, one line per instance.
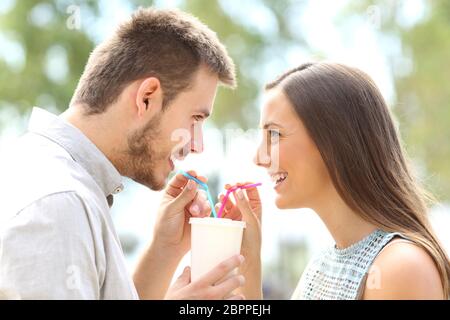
[332, 146]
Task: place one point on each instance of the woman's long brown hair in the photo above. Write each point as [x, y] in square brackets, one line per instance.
[347, 118]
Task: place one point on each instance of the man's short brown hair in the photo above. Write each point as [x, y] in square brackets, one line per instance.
[167, 44]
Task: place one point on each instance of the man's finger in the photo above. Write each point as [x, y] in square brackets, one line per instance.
[199, 206]
[176, 185]
[179, 181]
[194, 207]
[226, 287]
[185, 197]
[221, 270]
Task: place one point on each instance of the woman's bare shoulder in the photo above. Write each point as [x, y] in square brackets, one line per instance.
[403, 270]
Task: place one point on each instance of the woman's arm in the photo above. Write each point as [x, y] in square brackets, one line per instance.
[403, 271]
[250, 207]
[252, 271]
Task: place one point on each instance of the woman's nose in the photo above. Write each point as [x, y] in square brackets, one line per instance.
[262, 158]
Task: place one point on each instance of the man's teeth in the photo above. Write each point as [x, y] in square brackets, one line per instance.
[279, 177]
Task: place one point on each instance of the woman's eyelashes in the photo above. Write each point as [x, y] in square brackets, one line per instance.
[274, 135]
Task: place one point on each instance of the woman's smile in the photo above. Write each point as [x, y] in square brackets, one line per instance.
[278, 179]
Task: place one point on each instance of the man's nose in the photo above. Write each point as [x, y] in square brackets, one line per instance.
[196, 146]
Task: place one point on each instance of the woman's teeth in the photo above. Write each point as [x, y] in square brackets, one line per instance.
[278, 177]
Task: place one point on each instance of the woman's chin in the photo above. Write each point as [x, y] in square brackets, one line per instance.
[281, 202]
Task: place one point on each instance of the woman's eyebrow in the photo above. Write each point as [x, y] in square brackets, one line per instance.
[204, 112]
[271, 124]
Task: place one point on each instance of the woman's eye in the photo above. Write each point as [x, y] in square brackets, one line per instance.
[198, 118]
[274, 135]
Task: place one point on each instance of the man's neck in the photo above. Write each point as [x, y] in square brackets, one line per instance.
[93, 127]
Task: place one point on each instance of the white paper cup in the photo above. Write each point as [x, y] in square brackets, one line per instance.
[213, 240]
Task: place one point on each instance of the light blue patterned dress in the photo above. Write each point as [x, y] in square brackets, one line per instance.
[340, 274]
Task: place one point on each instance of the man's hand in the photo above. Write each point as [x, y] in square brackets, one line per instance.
[215, 285]
[181, 200]
[171, 237]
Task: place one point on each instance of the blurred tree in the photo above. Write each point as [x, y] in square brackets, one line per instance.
[37, 30]
[249, 47]
[421, 72]
[54, 54]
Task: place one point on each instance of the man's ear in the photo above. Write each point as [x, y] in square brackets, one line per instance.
[149, 97]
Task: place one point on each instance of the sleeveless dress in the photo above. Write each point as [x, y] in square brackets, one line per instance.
[340, 274]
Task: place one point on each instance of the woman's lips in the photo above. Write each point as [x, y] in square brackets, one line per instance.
[278, 178]
[279, 184]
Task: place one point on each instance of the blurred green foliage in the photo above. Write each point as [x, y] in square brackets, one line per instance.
[423, 90]
[30, 85]
[422, 93]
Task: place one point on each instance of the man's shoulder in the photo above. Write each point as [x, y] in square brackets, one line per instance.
[36, 168]
[56, 209]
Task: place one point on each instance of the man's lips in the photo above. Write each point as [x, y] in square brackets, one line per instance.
[175, 157]
[179, 155]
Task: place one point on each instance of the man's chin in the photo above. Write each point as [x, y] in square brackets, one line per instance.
[157, 188]
[152, 184]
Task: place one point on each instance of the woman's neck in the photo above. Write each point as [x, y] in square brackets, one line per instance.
[345, 225]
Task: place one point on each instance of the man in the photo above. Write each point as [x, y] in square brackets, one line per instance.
[158, 74]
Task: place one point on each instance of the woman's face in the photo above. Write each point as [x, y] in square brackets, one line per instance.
[289, 155]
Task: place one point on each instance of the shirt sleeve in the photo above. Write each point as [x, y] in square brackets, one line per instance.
[47, 251]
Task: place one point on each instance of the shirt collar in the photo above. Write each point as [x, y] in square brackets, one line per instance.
[80, 148]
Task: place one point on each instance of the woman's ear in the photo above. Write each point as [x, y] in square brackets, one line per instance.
[149, 97]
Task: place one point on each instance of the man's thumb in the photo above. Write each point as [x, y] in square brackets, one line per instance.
[186, 196]
[184, 279]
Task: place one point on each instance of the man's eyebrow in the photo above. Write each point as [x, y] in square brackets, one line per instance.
[271, 124]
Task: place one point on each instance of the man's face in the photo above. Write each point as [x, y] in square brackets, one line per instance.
[171, 134]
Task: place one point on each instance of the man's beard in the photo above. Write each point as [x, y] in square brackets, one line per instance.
[140, 160]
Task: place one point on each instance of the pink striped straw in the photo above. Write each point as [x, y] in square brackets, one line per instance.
[232, 189]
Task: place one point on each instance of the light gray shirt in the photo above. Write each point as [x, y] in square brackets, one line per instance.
[57, 238]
